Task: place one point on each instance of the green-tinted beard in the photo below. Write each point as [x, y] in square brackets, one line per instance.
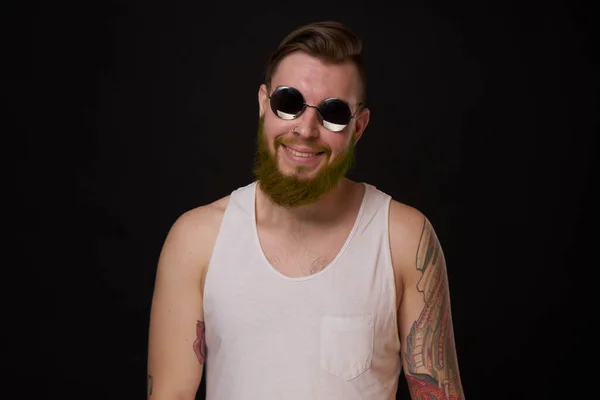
[291, 191]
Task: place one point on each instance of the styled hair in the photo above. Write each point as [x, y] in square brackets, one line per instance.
[329, 41]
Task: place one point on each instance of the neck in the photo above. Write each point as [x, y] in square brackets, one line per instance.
[327, 209]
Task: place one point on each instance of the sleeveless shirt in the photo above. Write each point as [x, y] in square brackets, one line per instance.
[331, 335]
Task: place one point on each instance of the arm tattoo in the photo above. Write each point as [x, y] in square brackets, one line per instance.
[150, 384]
[200, 342]
[430, 355]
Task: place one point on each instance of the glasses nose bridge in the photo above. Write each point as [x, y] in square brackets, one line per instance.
[310, 122]
[316, 108]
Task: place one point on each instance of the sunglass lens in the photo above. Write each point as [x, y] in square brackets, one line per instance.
[287, 103]
[336, 114]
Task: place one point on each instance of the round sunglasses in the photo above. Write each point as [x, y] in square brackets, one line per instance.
[288, 103]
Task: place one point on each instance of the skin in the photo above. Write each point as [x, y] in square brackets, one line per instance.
[424, 317]
[177, 349]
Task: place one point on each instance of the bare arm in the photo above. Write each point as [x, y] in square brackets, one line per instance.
[425, 320]
[176, 347]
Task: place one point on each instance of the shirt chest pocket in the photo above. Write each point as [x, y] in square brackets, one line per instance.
[347, 345]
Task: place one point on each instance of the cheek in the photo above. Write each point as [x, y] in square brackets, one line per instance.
[339, 145]
[273, 129]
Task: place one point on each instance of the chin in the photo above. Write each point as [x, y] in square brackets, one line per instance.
[289, 172]
[301, 172]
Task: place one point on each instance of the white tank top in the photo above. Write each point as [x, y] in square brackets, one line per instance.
[331, 335]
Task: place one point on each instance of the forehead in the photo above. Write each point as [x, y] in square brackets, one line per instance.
[316, 79]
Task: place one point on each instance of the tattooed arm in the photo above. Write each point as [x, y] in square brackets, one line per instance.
[176, 346]
[424, 314]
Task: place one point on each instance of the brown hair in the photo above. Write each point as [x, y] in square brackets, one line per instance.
[329, 41]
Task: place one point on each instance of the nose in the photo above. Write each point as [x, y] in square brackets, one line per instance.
[308, 123]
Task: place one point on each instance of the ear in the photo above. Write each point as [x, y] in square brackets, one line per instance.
[263, 99]
[361, 122]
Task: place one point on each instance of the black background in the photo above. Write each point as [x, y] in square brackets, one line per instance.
[121, 115]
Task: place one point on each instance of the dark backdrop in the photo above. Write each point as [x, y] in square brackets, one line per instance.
[121, 115]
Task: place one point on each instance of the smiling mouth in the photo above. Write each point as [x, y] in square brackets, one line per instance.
[303, 154]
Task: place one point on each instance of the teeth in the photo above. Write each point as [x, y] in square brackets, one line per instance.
[299, 154]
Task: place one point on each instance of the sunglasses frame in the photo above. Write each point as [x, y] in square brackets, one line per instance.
[305, 105]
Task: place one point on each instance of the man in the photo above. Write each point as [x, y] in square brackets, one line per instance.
[304, 284]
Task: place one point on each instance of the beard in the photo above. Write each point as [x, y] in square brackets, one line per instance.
[292, 190]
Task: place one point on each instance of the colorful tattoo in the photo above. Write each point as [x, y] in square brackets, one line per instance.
[430, 355]
[200, 342]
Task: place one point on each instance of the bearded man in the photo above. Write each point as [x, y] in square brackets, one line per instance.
[304, 284]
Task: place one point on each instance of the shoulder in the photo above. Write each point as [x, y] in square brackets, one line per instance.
[406, 224]
[407, 228]
[201, 222]
[202, 219]
[193, 234]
